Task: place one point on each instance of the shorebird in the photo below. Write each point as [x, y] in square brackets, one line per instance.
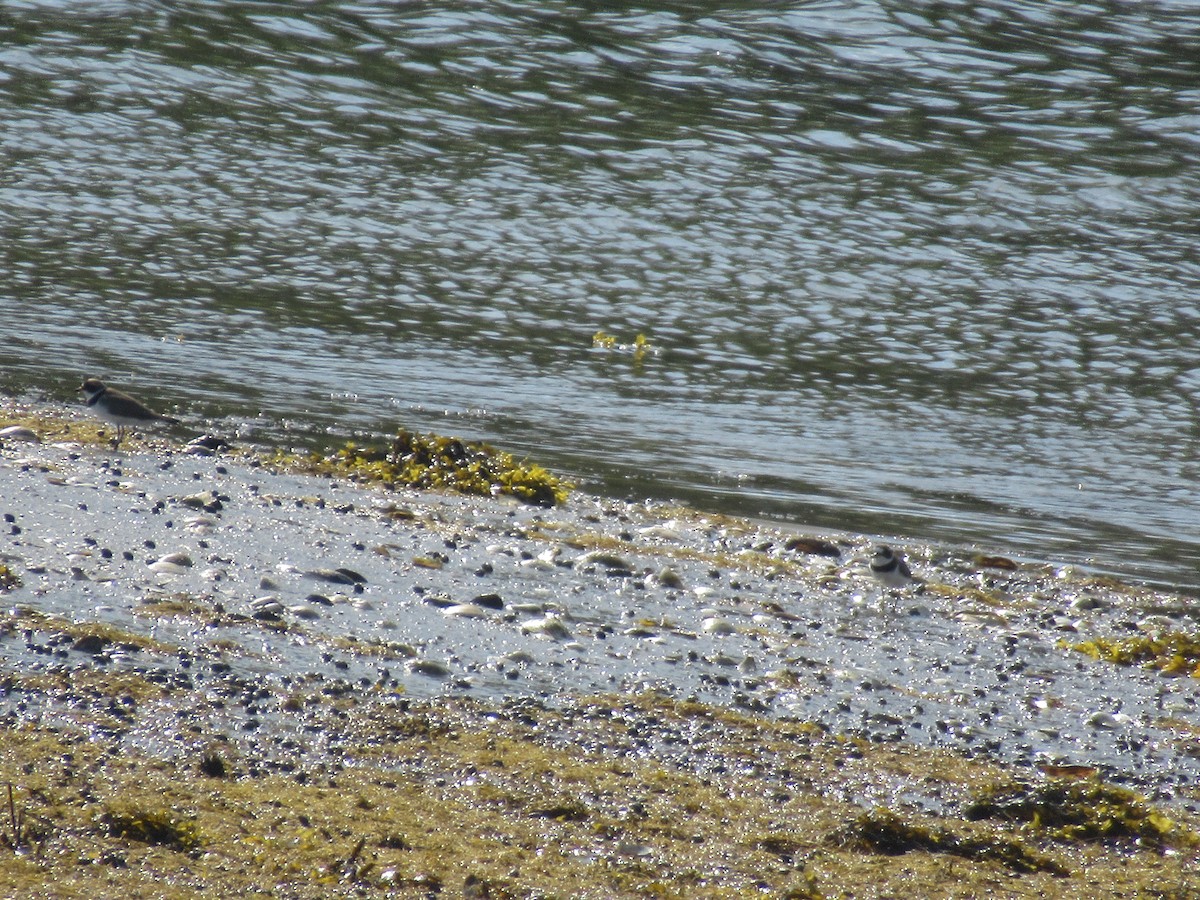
[118, 408]
[890, 569]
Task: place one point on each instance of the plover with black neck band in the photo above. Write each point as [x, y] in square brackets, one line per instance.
[118, 408]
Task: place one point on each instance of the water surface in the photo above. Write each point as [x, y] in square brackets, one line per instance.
[926, 269]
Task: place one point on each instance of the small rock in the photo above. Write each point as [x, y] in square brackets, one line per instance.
[207, 501]
[489, 601]
[91, 643]
[668, 578]
[663, 532]
[212, 766]
[207, 445]
[812, 546]
[172, 564]
[267, 607]
[336, 576]
[19, 433]
[610, 561]
[428, 667]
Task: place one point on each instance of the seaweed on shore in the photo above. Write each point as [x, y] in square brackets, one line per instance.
[1172, 653]
[435, 461]
[151, 826]
[1071, 810]
[885, 832]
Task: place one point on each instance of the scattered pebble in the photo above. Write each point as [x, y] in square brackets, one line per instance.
[979, 659]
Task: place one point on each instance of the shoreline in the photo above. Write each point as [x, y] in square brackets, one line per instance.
[174, 609]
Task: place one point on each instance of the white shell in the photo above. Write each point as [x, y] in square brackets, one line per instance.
[549, 626]
[465, 611]
[716, 625]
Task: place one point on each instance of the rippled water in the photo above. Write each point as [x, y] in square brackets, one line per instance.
[926, 269]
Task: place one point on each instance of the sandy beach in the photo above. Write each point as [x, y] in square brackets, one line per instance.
[206, 625]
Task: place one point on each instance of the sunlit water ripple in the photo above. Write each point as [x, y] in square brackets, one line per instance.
[924, 269]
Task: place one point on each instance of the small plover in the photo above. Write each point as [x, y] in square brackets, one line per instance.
[890, 569]
[118, 408]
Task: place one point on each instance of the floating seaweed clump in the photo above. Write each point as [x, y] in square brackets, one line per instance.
[638, 348]
[885, 832]
[433, 461]
[1073, 810]
[1174, 653]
